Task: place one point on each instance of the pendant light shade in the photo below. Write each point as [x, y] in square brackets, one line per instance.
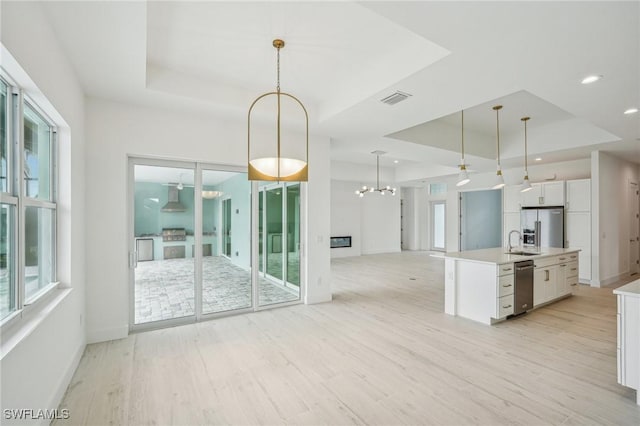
[499, 179]
[526, 185]
[382, 191]
[284, 159]
[463, 176]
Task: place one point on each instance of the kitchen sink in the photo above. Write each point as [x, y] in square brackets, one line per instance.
[523, 253]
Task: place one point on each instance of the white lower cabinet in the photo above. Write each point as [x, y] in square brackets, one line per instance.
[554, 277]
[628, 342]
[505, 306]
[505, 280]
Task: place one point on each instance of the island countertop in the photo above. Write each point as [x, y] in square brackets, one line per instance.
[500, 255]
[632, 289]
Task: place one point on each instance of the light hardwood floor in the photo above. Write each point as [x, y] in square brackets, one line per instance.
[383, 352]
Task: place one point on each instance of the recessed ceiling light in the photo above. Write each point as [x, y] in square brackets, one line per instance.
[631, 111]
[396, 161]
[538, 159]
[591, 79]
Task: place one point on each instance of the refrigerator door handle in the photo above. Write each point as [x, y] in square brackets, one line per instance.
[537, 234]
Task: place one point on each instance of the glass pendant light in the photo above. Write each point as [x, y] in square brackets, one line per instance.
[463, 177]
[271, 163]
[499, 179]
[526, 185]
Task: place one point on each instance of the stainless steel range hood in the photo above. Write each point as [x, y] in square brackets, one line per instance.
[173, 205]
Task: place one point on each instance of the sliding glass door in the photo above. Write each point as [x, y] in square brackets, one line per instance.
[191, 242]
[279, 237]
[226, 242]
[163, 237]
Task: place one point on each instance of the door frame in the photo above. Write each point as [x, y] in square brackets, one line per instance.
[142, 161]
[198, 168]
[432, 224]
[633, 210]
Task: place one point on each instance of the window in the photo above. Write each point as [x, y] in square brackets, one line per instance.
[27, 201]
[437, 188]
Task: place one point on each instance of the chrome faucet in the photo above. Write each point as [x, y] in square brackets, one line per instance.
[519, 238]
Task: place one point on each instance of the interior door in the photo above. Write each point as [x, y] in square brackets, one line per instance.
[634, 228]
[438, 226]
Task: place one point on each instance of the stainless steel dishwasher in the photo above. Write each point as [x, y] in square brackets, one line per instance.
[523, 292]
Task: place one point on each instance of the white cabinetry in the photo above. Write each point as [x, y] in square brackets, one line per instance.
[579, 195]
[554, 277]
[504, 291]
[512, 199]
[512, 203]
[544, 194]
[578, 223]
[628, 347]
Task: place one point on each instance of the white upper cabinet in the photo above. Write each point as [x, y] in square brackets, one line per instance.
[512, 199]
[579, 195]
[544, 194]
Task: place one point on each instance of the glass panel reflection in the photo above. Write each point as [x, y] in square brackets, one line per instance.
[37, 155]
[4, 137]
[38, 250]
[7, 260]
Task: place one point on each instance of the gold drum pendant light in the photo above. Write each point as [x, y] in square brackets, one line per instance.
[463, 177]
[270, 163]
[499, 178]
[526, 185]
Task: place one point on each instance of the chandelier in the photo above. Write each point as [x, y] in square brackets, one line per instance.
[270, 163]
[360, 192]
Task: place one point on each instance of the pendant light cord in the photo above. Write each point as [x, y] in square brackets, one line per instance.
[278, 96]
[377, 171]
[278, 72]
[526, 165]
[462, 131]
[498, 133]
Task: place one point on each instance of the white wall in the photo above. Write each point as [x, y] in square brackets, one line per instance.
[116, 130]
[380, 223]
[318, 212]
[373, 220]
[36, 372]
[610, 216]
[346, 213]
[412, 204]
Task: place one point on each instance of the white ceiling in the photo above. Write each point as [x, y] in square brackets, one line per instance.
[341, 58]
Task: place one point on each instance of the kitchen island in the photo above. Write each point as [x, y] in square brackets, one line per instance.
[479, 284]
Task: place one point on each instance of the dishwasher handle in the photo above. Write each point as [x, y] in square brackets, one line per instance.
[524, 268]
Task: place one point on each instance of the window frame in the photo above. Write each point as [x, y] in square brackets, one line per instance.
[16, 196]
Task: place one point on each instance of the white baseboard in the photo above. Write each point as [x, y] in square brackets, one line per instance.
[608, 281]
[65, 380]
[381, 251]
[106, 334]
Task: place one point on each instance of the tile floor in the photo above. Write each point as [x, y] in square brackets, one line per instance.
[164, 289]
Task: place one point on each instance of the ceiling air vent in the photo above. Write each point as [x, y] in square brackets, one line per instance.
[395, 98]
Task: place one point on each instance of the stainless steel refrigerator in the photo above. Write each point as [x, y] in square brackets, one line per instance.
[542, 226]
